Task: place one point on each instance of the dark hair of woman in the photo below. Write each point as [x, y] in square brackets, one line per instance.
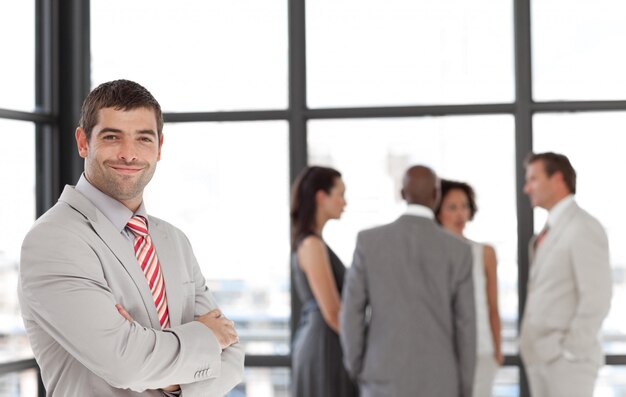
[303, 204]
[447, 186]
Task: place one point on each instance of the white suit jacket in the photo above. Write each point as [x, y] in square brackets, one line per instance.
[569, 291]
[75, 266]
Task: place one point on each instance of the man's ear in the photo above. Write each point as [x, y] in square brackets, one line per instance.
[160, 145]
[558, 177]
[82, 142]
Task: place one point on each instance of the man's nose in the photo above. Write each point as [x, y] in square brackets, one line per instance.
[127, 152]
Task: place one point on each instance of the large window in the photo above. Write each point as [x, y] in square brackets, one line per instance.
[506, 383]
[197, 55]
[19, 384]
[17, 211]
[17, 173]
[17, 74]
[451, 146]
[254, 90]
[231, 200]
[263, 382]
[405, 52]
[611, 381]
[577, 49]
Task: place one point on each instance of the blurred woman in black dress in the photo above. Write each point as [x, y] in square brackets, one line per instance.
[317, 362]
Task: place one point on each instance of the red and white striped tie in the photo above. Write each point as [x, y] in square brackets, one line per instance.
[147, 258]
[541, 236]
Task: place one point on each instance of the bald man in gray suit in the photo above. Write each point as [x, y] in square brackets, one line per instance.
[407, 322]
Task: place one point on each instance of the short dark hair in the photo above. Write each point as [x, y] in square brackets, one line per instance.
[120, 95]
[555, 162]
[303, 205]
[447, 186]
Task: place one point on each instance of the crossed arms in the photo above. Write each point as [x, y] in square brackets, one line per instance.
[65, 292]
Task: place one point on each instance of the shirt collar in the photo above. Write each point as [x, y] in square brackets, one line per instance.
[116, 212]
[419, 210]
[559, 208]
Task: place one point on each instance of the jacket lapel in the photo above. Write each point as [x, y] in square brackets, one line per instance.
[551, 239]
[170, 269]
[118, 245]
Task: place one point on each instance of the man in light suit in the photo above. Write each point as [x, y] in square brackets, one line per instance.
[407, 322]
[569, 286]
[98, 325]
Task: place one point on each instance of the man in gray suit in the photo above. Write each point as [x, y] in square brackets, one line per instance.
[569, 286]
[407, 322]
[113, 300]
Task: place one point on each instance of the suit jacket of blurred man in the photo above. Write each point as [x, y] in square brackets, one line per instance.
[407, 316]
[75, 267]
[569, 291]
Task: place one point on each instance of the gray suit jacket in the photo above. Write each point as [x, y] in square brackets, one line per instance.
[75, 266]
[407, 317]
[569, 291]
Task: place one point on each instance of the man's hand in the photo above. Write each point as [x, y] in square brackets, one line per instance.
[123, 312]
[223, 328]
[128, 317]
[499, 357]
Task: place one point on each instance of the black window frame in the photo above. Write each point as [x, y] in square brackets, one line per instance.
[62, 79]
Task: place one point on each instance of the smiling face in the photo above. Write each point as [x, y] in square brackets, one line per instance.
[122, 152]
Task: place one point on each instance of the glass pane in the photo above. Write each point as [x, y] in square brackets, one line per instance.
[611, 382]
[506, 383]
[17, 213]
[19, 384]
[577, 49]
[229, 183]
[17, 29]
[402, 52]
[387, 147]
[599, 167]
[200, 56]
[263, 382]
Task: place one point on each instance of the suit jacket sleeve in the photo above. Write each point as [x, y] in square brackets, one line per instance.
[232, 358]
[592, 273]
[64, 289]
[465, 324]
[352, 322]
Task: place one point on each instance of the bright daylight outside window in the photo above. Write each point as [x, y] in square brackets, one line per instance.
[17, 212]
[17, 79]
[17, 173]
[373, 181]
[232, 202]
[475, 149]
[200, 56]
[576, 50]
[399, 52]
[227, 184]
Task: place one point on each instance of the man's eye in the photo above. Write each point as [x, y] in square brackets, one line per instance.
[109, 137]
[146, 139]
